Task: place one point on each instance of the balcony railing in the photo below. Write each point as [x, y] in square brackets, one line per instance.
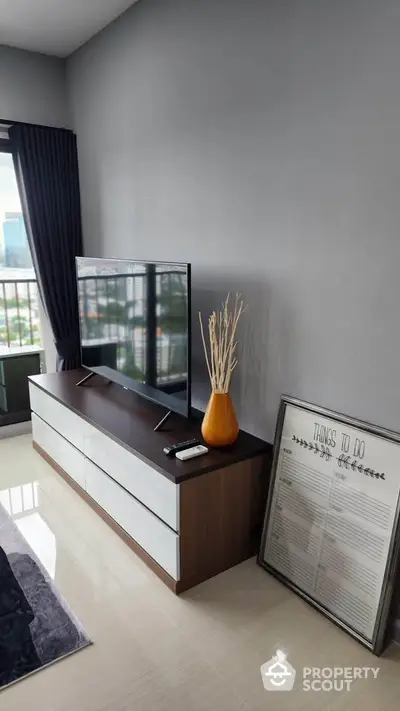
[19, 313]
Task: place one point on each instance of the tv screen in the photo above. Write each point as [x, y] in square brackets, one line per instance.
[135, 326]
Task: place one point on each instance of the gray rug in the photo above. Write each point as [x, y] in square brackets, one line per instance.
[37, 626]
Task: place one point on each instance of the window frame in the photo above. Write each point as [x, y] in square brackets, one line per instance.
[5, 145]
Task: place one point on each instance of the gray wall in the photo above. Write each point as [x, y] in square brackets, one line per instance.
[32, 88]
[259, 140]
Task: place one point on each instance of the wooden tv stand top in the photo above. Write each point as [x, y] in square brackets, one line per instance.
[129, 419]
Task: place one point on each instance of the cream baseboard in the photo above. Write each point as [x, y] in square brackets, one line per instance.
[15, 430]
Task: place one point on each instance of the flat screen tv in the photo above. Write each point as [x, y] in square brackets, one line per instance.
[135, 326]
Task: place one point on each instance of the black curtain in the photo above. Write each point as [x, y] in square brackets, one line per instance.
[46, 166]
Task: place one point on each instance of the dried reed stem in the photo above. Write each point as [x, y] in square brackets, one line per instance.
[220, 354]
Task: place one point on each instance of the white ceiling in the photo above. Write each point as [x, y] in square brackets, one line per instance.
[56, 27]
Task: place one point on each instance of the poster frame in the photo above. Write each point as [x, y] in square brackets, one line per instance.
[378, 639]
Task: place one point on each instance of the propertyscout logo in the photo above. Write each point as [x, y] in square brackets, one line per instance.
[278, 675]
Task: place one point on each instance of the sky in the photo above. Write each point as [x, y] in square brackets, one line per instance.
[9, 197]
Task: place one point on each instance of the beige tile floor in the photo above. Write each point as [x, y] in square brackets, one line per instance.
[153, 651]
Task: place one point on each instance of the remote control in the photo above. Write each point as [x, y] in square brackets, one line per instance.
[192, 452]
[174, 448]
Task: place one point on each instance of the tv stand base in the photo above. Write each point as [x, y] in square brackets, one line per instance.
[88, 377]
[85, 379]
[163, 421]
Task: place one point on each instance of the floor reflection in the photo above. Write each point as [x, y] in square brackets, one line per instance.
[22, 503]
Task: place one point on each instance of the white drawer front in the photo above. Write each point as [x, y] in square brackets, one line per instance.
[147, 530]
[72, 461]
[146, 484]
[71, 426]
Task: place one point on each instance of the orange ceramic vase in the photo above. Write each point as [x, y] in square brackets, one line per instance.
[220, 427]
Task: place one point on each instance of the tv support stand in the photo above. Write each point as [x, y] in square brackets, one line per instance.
[163, 421]
[88, 377]
[84, 380]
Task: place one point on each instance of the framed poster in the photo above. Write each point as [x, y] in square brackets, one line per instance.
[331, 529]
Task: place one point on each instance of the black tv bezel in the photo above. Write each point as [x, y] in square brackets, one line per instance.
[166, 400]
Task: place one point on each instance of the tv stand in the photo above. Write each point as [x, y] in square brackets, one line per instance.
[163, 421]
[187, 520]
